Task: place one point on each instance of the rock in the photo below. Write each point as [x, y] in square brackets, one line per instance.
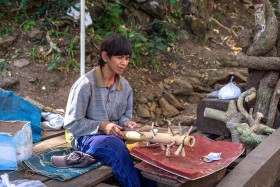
[183, 37]
[89, 59]
[185, 120]
[141, 18]
[199, 88]
[223, 75]
[182, 87]
[195, 74]
[143, 111]
[88, 46]
[161, 86]
[172, 99]
[154, 8]
[4, 44]
[153, 106]
[36, 34]
[167, 109]
[142, 100]
[198, 27]
[189, 7]
[21, 62]
[198, 85]
[7, 81]
[196, 98]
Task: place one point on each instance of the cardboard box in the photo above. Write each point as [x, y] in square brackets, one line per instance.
[15, 143]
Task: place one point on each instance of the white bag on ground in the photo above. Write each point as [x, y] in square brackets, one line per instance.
[5, 182]
[229, 91]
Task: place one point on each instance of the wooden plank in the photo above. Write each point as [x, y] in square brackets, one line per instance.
[50, 143]
[51, 134]
[259, 168]
[23, 174]
[208, 181]
[104, 185]
[90, 178]
[162, 181]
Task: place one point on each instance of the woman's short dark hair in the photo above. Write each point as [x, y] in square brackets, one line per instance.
[114, 45]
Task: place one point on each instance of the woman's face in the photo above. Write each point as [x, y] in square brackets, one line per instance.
[117, 64]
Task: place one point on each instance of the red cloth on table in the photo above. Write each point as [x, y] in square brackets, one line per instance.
[191, 166]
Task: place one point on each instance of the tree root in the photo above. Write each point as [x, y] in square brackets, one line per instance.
[267, 39]
[273, 105]
[248, 137]
[251, 134]
[259, 63]
[52, 45]
[224, 27]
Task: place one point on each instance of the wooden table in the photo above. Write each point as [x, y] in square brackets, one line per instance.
[52, 139]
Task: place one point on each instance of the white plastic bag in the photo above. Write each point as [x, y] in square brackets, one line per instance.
[229, 91]
[5, 182]
[53, 121]
[75, 13]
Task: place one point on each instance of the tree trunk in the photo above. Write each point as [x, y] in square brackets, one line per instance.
[265, 91]
[266, 41]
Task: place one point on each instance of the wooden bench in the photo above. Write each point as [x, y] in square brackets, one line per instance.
[52, 139]
[96, 177]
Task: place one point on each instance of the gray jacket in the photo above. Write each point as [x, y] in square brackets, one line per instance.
[91, 101]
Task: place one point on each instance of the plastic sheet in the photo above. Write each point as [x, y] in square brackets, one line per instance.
[191, 166]
[15, 142]
[14, 108]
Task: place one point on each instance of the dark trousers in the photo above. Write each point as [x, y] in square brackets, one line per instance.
[111, 151]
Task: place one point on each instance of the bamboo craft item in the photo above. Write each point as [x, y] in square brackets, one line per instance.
[163, 138]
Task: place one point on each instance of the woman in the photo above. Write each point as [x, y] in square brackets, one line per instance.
[100, 106]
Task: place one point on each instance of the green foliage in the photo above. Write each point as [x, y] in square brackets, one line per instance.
[35, 55]
[199, 6]
[54, 63]
[71, 54]
[138, 44]
[53, 81]
[218, 15]
[28, 25]
[5, 31]
[154, 63]
[171, 2]
[110, 19]
[4, 3]
[3, 64]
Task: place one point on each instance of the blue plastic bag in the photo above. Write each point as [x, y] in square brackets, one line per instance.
[14, 108]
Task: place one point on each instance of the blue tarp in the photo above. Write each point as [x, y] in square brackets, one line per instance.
[14, 108]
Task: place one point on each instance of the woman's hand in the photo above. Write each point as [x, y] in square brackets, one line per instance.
[111, 128]
[131, 124]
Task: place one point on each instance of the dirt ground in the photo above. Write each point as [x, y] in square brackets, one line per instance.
[215, 50]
